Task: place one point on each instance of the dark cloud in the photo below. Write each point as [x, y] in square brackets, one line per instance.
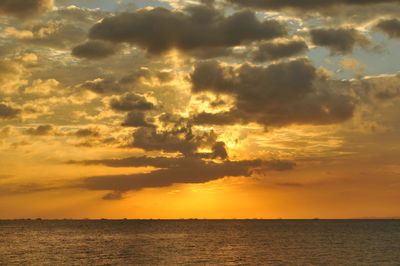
[102, 86]
[95, 50]
[24, 8]
[159, 30]
[136, 119]
[276, 50]
[41, 130]
[177, 136]
[111, 85]
[86, 133]
[130, 102]
[305, 5]
[177, 170]
[114, 195]
[211, 52]
[390, 26]
[339, 40]
[180, 139]
[219, 150]
[281, 94]
[222, 118]
[8, 112]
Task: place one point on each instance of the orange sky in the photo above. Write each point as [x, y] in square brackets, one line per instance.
[207, 109]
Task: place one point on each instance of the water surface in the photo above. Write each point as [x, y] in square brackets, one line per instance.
[200, 242]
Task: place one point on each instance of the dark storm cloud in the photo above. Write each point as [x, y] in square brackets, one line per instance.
[276, 50]
[339, 40]
[159, 29]
[281, 94]
[305, 5]
[8, 112]
[130, 102]
[177, 170]
[95, 50]
[41, 130]
[24, 8]
[390, 26]
[136, 119]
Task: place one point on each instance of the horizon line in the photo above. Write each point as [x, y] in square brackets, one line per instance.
[201, 219]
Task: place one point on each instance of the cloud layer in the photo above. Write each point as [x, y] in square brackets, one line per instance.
[159, 30]
[281, 94]
[25, 8]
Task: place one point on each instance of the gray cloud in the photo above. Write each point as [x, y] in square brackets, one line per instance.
[159, 29]
[111, 85]
[86, 132]
[136, 119]
[177, 170]
[276, 50]
[224, 118]
[41, 130]
[8, 112]
[305, 5]
[130, 102]
[390, 26]
[102, 86]
[339, 40]
[179, 139]
[281, 94]
[95, 50]
[79, 15]
[24, 8]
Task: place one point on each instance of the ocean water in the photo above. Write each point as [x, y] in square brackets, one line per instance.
[200, 242]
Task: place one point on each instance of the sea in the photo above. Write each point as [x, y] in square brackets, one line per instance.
[200, 242]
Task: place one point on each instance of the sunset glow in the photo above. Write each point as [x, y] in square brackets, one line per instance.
[199, 109]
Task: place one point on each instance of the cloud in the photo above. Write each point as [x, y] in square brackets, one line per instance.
[159, 30]
[389, 26]
[13, 73]
[86, 133]
[95, 50]
[111, 85]
[25, 8]
[102, 85]
[41, 130]
[55, 34]
[339, 40]
[136, 119]
[305, 5]
[280, 94]
[279, 49]
[383, 87]
[82, 16]
[130, 102]
[180, 139]
[175, 170]
[8, 112]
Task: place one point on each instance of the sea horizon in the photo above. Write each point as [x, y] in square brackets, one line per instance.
[200, 242]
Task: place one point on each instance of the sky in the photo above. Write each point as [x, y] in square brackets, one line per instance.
[199, 109]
